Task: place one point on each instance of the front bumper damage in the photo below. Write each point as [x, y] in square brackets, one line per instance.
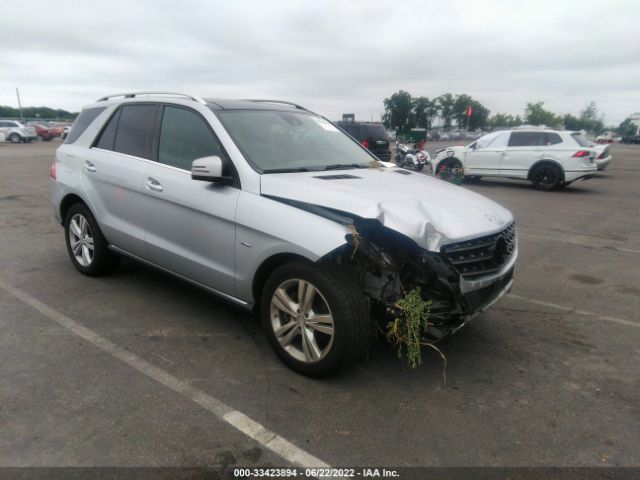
[389, 265]
[460, 281]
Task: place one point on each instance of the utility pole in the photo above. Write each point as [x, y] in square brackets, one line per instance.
[19, 105]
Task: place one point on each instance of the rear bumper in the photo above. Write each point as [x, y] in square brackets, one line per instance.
[575, 175]
[602, 164]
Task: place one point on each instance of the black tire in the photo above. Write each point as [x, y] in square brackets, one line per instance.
[546, 177]
[353, 329]
[419, 168]
[15, 138]
[103, 260]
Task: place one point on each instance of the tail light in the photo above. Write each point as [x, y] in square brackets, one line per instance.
[582, 153]
[53, 169]
[365, 143]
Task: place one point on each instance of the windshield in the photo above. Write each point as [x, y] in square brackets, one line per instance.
[277, 141]
[493, 140]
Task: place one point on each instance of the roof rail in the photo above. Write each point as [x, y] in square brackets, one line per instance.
[136, 94]
[532, 127]
[283, 102]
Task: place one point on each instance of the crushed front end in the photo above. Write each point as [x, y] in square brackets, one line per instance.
[460, 281]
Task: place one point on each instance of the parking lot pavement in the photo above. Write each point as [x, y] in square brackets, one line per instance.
[550, 376]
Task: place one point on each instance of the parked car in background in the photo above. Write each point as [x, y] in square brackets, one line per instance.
[606, 137]
[43, 132]
[65, 132]
[273, 208]
[16, 132]
[372, 136]
[548, 158]
[603, 156]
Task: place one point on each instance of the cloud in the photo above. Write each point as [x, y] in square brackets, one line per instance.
[333, 56]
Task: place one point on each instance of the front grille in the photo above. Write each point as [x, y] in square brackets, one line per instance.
[483, 255]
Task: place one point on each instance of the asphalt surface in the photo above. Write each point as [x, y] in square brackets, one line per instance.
[549, 377]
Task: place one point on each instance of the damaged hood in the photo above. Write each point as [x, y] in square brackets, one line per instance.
[429, 211]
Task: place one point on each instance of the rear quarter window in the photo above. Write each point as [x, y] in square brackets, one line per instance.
[86, 117]
[553, 138]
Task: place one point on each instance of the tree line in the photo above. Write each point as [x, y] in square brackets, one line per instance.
[45, 113]
[403, 111]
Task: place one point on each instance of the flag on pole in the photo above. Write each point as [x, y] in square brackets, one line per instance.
[469, 111]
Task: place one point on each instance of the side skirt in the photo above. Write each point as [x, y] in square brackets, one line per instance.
[218, 293]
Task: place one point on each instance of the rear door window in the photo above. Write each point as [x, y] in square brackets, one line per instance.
[527, 139]
[134, 133]
[184, 137]
[85, 118]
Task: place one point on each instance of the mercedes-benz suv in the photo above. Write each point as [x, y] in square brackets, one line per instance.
[273, 208]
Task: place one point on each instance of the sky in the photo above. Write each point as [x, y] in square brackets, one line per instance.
[330, 56]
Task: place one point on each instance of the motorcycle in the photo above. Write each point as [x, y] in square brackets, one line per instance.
[409, 157]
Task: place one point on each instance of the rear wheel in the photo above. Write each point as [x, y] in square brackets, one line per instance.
[15, 138]
[86, 245]
[546, 177]
[316, 317]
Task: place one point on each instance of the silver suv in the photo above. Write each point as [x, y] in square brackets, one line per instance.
[273, 208]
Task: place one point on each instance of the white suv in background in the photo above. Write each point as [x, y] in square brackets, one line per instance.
[16, 132]
[548, 158]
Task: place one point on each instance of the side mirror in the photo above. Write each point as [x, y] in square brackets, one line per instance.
[473, 146]
[208, 169]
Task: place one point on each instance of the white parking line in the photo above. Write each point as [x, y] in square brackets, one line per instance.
[265, 437]
[585, 313]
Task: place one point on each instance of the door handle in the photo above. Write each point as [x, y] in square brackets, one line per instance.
[153, 184]
[89, 166]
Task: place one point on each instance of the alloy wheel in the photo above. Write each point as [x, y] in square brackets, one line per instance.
[546, 177]
[81, 240]
[301, 320]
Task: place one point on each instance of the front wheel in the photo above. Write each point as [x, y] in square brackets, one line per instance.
[316, 317]
[15, 138]
[546, 177]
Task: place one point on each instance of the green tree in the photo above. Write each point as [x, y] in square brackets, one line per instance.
[37, 112]
[398, 111]
[571, 122]
[504, 120]
[425, 111]
[535, 114]
[479, 113]
[446, 103]
[627, 128]
[590, 119]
